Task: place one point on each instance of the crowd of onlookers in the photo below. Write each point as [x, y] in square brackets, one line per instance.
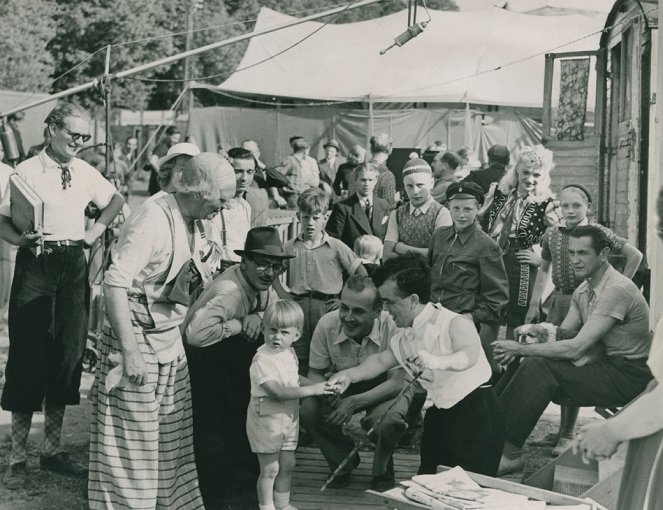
[389, 300]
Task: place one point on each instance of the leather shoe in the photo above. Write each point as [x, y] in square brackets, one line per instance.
[383, 483]
[343, 479]
[61, 463]
[15, 476]
[509, 466]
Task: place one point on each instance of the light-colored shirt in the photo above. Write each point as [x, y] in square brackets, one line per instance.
[281, 367]
[64, 217]
[655, 360]
[319, 268]
[443, 219]
[332, 349]
[228, 297]
[430, 332]
[614, 296]
[311, 172]
[230, 227]
[152, 248]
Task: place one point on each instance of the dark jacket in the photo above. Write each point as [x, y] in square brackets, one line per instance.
[484, 178]
[348, 220]
[468, 274]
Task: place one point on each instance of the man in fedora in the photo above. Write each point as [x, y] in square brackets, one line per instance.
[222, 332]
[330, 163]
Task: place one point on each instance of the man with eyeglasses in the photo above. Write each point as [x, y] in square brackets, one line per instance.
[222, 332]
[47, 312]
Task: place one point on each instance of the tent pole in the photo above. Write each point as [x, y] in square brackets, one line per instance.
[107, 100]
[371, 120]
[195, 51]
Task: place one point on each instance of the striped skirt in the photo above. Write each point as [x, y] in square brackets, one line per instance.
[141, 437]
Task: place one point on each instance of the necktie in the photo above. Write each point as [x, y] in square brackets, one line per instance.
[258, 307]
[66, 176]
[367, 208]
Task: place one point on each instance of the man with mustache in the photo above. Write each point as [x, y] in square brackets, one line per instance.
[343, 339]
[223, 332]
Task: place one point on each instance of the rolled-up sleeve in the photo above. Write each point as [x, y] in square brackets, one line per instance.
[319, 357]
[213, 321]
[100, 190]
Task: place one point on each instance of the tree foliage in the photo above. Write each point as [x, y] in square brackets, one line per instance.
[44, 39]
[26, 26]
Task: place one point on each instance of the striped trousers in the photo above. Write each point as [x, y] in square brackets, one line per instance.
[141, 437]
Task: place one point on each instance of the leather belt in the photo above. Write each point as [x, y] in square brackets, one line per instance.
[66, 242]
[316, 295]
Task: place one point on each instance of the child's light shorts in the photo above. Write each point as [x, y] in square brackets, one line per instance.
[272, 425]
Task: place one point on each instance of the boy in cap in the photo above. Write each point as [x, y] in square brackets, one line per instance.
[411, 226]
[468, 275]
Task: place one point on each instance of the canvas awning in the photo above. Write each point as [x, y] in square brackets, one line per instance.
[475, 57]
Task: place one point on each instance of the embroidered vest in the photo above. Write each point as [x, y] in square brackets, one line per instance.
[531, 224]
[416, 230]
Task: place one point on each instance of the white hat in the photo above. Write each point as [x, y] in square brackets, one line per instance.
[179, 149]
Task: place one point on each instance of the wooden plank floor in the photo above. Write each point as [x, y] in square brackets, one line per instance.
[312, 471]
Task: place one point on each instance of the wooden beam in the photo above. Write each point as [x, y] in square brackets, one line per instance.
[573, 54]
[547, 94]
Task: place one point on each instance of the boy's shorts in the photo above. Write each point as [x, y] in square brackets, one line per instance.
[272, 425]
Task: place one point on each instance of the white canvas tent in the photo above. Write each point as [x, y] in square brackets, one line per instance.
[492, 57]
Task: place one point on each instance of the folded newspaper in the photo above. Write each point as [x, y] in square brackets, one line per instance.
[455, 490]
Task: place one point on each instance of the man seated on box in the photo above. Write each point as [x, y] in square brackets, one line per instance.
[343, 339]
[597, 357]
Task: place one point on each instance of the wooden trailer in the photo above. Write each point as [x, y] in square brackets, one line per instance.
[617, 159]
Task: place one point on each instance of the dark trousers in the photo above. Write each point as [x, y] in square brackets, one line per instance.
[469, 434]
[47, 329]
[613, 381]
[335, 445]
[220, 392]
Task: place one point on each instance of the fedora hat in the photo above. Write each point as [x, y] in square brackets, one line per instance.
[264, 241]
[332, 142]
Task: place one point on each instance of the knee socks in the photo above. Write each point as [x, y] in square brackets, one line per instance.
[21, 423]
[54, 416]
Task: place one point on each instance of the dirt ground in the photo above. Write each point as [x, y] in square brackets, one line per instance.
[48, 491]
